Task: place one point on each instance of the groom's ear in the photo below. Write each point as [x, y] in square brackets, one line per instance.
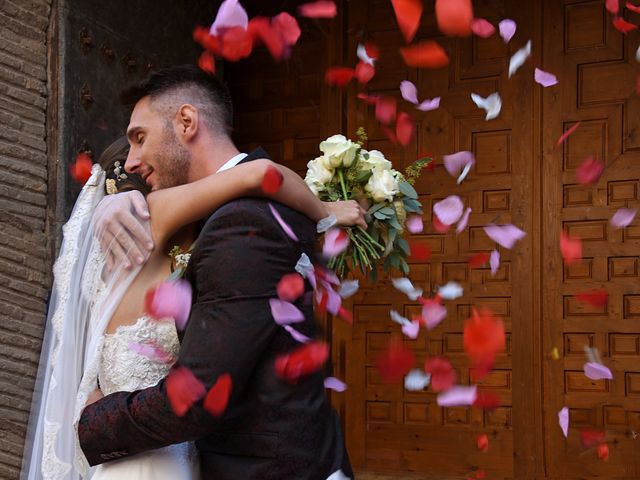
[187, 122]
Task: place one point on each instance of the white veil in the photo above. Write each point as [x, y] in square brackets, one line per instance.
[80, 308]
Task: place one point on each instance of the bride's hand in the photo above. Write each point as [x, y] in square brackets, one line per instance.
[348, 213]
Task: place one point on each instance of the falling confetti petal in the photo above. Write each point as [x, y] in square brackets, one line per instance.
[462, 224]
[183, 389]
[612, 6]
[81, 169]
[629, 5]
[459, 164]
[487, 400]
[454, 17]
[482, 28]
[386, 108]
[218, 397]
[272, 180]
[152, 351]
[492, 104]
[597, 371]
[555, 353]
[414, 223]
[416, 380]
[518, 58]
[504, 235]
[297, 336]
[348, 288]
[364, 72]
[458, 396]
[334, 384]
[395, 362]
[230, 14]
[589, 171]
[443, 376]
[571, 248]
[367, 53]
[566, 134]
[320, 9]
[483, 338]
[405, 128]
[591, 437]
[433, 313]
[302, 361]
[507, 29]
[482, 441]
[450, 291]
[411, 329]
[170, 299]
[545, 79]
[494, 261]
[285, 313]
[338, 76]
[563, 420]
[406, 287]
[478, 260]
[290, 287]
[207, 63]
[623, 26]
[287, 229]
[623, 217]
[336, 241]
[438, 226]
[420, 251]
[603, 452]
[410, 93]
[426, 54]
[449, 210]
[595, 298]
[408, 13]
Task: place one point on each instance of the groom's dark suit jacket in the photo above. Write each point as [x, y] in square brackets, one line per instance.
[271, 429]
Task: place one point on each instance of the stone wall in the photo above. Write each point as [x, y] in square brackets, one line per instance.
[24, 233]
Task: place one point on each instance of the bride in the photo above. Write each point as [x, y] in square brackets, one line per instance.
[97, 333]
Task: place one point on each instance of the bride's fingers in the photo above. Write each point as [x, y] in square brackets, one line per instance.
[119, 253]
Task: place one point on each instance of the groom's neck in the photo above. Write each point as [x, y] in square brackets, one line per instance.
[208, 156]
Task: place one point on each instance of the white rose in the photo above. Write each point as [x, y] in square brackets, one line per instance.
[317, 175]
[338, 151]
[382, 185]
[376, 161]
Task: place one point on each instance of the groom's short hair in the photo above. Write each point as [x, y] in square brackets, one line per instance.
[170, 87]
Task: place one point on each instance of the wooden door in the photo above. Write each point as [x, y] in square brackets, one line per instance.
[388, 428]
[597, 72]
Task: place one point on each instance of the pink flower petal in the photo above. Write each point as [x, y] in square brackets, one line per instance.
[482, 28]
[623, 217]
[429, 104]
[597, 371]
[566, 134]
[448, 210]
[336, 241]
[348, 288]
[563, 420]
[545, 79]
[462, 224]
[285, 313]
[297, 336]
[589, 171]
[409, 91]
[287, 229]
[320, 9]
[456, 162]
[414, 223]
[433, 313]
[171, 299]
[230, 14]
[458, 396]
[334, 384]
[152, 351]
[406, 287]
[334, 301]
[507, 29]
[494, 261]
[411, 329]
[504, 235]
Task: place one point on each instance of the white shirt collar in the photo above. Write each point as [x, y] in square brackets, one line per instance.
[232, 162]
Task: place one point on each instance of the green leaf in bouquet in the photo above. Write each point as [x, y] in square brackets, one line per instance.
[393, 260]
[404, 266]
[407, 190]
[393, 221]
[376, 207]
[403, 245]
[379, 215]
[387, 211]
[363, 176]
[411, 205]
[374, 233]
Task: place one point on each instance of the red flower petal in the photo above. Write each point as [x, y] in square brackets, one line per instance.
[208, 42]
[443, 376]
[479, 260]
[302, 361]
[623, 26]
[486, 400]
[338, 76]
[287, 26]
[613, 6]
[629, 5]
[290, 287]
[408, 13]
[391, 135]
[483, 338]
[386, 108]
[319, 9]
[395, 362]
[566, 134]
[372, 50]
[454, 17]
[364, 72]
[405, 127]
[207, 62]
[426, 54]
[345, 314]
[420, 252]
[591, 437]
[237, 43]
[595, 298]
[81, 169]
[183, 389]
[272, 180]
[603, 452]
[218, 397]
[482, 441]
[261, 30]
[571, 248]
[371, 100]
[438, 226]
[589, 171]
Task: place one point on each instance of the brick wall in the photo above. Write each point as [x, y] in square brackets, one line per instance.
[24, 246]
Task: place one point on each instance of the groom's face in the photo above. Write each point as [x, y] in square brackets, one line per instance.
[155, 152]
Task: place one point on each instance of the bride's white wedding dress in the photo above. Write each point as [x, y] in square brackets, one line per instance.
[123, 369]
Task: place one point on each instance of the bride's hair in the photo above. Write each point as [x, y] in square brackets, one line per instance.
[112, 162]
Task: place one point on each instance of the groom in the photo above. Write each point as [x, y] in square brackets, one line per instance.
[271, 429]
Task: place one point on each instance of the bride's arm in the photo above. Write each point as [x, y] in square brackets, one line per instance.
[172, 208]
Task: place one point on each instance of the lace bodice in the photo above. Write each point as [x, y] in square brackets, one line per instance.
[130, 359]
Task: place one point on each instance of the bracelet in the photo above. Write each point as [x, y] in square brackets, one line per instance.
[326, 223]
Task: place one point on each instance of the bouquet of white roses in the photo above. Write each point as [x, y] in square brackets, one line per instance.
[346, 171]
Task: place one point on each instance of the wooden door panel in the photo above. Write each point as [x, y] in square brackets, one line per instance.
[598, 76]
